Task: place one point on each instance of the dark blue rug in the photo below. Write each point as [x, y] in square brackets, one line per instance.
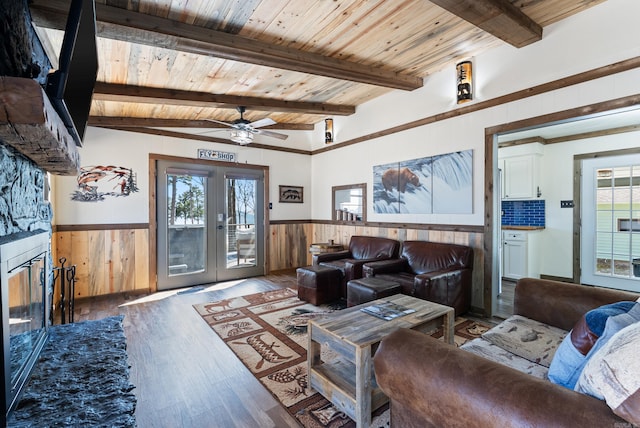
[81, 379]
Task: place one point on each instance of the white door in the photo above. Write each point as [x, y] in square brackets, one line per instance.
[610, 232]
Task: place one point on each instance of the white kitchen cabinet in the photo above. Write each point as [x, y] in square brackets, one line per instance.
[521, 177]
[520, 254]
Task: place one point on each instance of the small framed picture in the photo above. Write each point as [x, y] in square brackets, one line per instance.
[291, 194]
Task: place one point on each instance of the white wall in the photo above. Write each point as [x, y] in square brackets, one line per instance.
[604, 34]
[131, 150]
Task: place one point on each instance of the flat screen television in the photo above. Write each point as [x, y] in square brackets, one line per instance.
[70, 87]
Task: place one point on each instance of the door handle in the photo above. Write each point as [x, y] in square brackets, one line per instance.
[220, 227]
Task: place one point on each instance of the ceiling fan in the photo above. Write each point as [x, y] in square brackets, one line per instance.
[243, 130]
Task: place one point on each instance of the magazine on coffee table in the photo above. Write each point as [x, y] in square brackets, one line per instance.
[387, 310]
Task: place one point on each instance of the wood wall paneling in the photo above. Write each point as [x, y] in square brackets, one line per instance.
[96, 274]
[118, 260]
[107, 261]
[289, 245]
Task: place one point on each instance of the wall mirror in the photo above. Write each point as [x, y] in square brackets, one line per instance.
[349, 202]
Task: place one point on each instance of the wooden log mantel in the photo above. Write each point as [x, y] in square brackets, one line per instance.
[30, 124]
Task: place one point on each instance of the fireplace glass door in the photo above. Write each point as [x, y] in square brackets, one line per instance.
[26, 313]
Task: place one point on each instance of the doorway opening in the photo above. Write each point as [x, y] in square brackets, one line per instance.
[577, 126]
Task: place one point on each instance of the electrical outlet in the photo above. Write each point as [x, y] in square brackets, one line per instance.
[566, 204]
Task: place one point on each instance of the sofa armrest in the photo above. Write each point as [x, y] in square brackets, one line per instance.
[561, 304]
[354, 267]
[451, 287]
[437, 274]
[385, 266]
[423, 282]
[326, 257]
[434, 384]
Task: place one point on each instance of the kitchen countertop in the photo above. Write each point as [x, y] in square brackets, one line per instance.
[522, 228]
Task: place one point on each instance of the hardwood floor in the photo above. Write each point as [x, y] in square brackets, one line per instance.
[185, 376]
[505, 299]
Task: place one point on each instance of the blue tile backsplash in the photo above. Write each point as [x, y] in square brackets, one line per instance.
[523, 213]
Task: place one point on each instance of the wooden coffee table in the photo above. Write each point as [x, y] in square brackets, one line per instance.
[348, 381]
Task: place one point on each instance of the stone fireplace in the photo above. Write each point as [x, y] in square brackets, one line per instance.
[25, 269]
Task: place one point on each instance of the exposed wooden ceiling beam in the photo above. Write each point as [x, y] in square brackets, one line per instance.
[140, 94]
[121, 24]
[125, 122]
[498, 17]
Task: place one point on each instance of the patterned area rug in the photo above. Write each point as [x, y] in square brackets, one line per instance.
[268, 333]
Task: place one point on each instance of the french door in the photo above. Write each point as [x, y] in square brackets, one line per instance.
[610, 211]
[210, 223]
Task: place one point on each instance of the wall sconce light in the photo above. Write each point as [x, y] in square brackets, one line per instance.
[328, 131]
[464, 80]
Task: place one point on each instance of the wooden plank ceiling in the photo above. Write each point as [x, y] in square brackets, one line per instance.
[173, 63]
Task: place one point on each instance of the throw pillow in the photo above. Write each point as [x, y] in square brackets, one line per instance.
[613, 374]
[573, 353]
[590, 327]
[527, 338]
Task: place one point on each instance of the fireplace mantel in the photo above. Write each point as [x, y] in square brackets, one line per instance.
[30, 124]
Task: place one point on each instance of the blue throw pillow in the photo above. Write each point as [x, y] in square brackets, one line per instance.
[576, 348]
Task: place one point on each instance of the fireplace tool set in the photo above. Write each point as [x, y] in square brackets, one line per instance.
[67, 275]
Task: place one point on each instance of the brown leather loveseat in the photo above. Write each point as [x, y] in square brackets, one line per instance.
[433, 384]
[438, 272]
[362, 249]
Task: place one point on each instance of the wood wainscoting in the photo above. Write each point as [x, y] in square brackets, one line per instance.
[109, 258]
[115, 258]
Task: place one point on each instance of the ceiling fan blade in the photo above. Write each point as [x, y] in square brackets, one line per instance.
[210, 131]
[221, 123]
[262, 122]
[271, 134]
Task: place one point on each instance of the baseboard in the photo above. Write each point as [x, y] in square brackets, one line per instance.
[557, 278]
[477, 312]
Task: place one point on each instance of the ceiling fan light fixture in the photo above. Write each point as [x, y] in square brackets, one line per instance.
[241, 136]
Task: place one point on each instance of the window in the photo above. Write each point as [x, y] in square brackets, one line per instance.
[628, 225]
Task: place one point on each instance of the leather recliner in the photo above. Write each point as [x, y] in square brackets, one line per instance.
[362, 249]
[434, 271]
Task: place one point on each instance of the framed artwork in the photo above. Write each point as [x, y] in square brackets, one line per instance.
[440, 184]
[291, 194]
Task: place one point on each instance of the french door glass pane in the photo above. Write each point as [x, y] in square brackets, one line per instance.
[241, 215]
[186, 222]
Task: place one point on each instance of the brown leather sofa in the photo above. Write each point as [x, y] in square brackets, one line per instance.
[438, 272]
[362, 249]
[434, 384]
